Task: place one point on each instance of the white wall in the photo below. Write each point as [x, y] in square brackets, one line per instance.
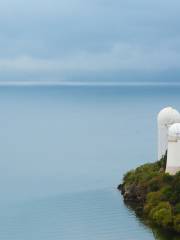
[173, 157]
[162, 140]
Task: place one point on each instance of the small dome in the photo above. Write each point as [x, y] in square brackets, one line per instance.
[168, 116]
[174, 130]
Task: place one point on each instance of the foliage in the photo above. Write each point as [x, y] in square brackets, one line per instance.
[162, 214]
[177, 208]
[161, 193]
[177, 222]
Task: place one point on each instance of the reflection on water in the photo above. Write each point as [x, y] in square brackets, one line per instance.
[91, 215]
[158, 232]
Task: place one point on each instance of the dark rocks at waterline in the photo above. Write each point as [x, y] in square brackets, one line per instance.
[132, 193]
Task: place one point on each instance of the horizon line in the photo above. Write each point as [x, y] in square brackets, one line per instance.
[81, 83]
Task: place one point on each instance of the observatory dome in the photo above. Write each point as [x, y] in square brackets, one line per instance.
[168, 116]
[174, 131]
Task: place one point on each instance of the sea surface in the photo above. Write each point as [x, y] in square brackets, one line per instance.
[64, 150]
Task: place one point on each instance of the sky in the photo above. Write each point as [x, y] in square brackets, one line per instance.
[89, 40]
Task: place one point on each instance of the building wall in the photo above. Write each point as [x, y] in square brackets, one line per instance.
[173, 157]
[162, 140]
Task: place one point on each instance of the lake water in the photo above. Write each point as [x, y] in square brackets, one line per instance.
[64, 149]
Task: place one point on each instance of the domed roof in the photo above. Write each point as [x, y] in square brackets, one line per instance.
[168, 116]
[174, 130]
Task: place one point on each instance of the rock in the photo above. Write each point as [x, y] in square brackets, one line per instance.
[132, 192]
[119, 187]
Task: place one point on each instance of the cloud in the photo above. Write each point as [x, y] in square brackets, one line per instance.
[121, 56]
[47, 38]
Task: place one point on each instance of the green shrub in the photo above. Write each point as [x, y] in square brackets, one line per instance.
[159, 193]
[147, 208]
[177, 223]
[154, 198]
[162, 214]
[177, 208]
[167, 178]
[166, 193]
[129, 177]
[155, 183]
[163, 217]
[162, 163]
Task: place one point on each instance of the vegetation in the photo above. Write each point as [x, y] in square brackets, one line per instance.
[156, 192]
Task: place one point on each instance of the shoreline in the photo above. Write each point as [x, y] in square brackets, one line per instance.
[153, 194]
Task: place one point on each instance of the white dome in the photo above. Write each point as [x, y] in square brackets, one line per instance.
[174, 130]
[168, 116]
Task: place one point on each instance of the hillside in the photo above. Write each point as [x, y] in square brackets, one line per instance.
[156, 193]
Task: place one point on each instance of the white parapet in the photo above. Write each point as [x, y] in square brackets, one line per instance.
[166, 118]
[173, 156]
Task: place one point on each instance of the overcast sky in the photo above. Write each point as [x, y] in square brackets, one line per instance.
[89, 40]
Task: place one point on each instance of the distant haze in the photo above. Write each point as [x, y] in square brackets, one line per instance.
[97, 40]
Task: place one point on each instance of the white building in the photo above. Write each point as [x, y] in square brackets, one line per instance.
[166, 118]
[173, 156]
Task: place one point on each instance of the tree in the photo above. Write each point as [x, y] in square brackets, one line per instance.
[162, 214]
[177, 223]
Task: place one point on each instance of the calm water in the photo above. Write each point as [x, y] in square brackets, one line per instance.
[63, 152]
